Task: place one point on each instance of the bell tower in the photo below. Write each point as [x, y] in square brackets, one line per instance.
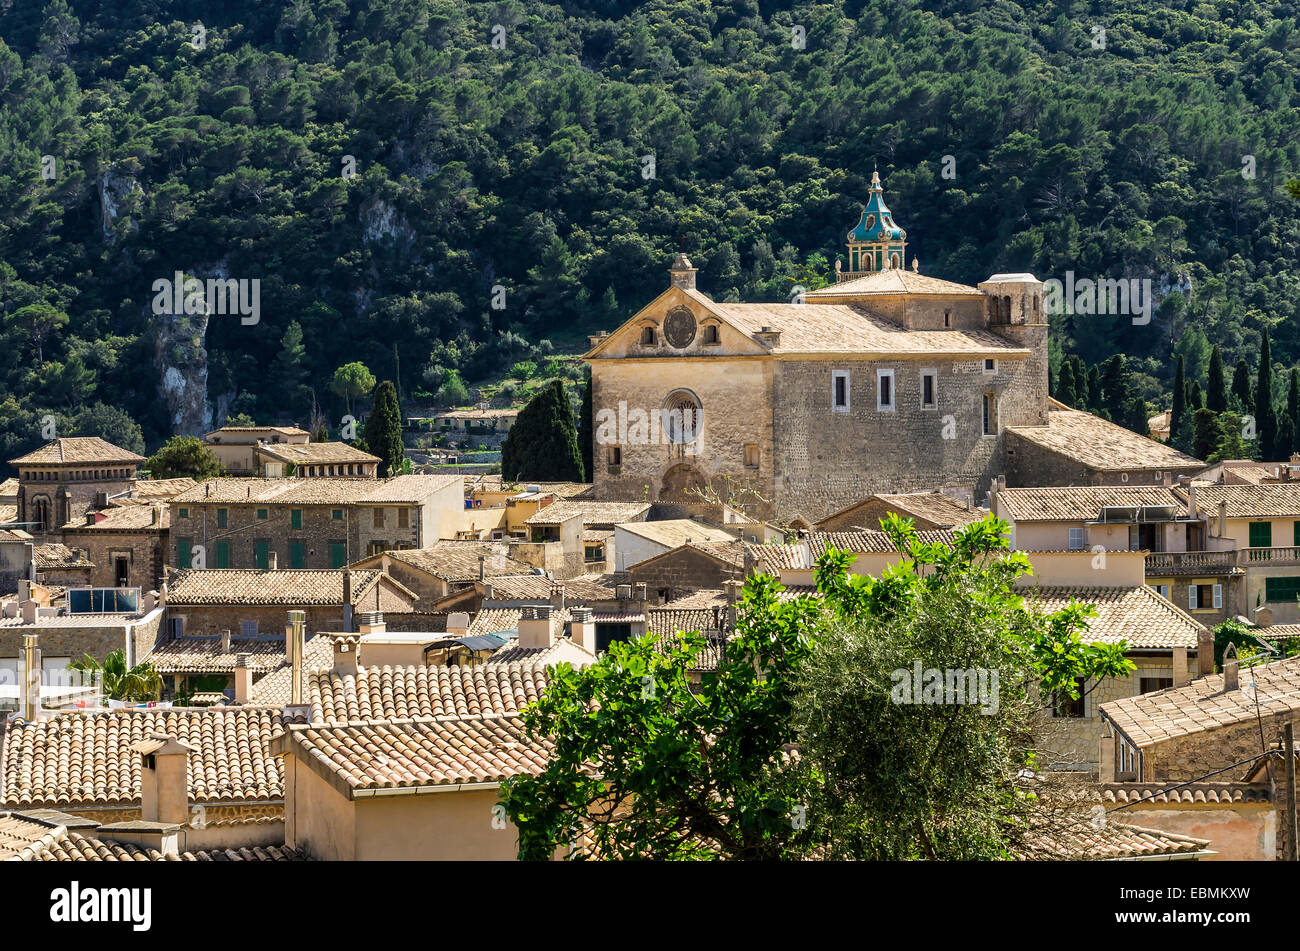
[877, 243]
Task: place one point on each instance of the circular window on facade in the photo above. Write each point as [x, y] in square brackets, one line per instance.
[682, 417]
[679, 327]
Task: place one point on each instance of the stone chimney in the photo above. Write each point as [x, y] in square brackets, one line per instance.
[1263, 616]
[157, 516]
[272, 562]
[582, 629]
[225, 640]
[1223, 519]
[31, 677]
[243, 678]
[557, 597]
[639, 592]
[1231, 674]
[30, 608]
[623, 592]
[162, 837]
[347, 600]
[164, 779]
[682, 273]
[1191, 502]
[1204, 652]
[457, 624]
[482, 567]
[371, 622]
[347, 654]
[535, 627]
[296, 642]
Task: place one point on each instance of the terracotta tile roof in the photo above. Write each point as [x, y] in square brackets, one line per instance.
[591, 513]
[1115, 841]
[894, 282]
[409, 489]
[282, 430]
[537, 588]
[667, 620]
[8, 513]
[772, 558]
[675, 532]
[933, 506]
[597, 534]
[1277, 500]
[1101, 445]
[850, 328]
[404, 693]
[81, 760]
[61, 556]
[9, 489]
[289, 586]
[44, 836]
[77, 450]
[1078, 503]
[122, 621]
[1203, 705]
[1134, 614]
[203, 654]
[731, 552]
[457, 561]
[315, 453]
[413, 753]
[124, 518]
[158, 490]
[1207, 793]
[276, 688]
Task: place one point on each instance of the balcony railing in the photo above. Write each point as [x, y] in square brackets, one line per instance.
[1197, 561]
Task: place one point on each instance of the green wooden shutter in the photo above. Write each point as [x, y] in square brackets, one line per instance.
[223, 554]
[263, 555]
[297, 555]
[338, 555]
[295, 518]
[1261, 534]
[184, 554]
[221, 518]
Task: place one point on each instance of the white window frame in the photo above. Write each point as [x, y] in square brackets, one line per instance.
[990, 370]
[1218, 596]
[1162, 590]
[1191, 597]
[837, 375]
[882, 407]
[933, 375]
[1079, 546]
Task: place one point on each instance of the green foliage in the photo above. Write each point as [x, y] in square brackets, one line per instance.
[183, 456]
[543, 443]
[352, 380]
[383, 432]
[110, 423]
[139, 684]
[586, 430]
[452, 392]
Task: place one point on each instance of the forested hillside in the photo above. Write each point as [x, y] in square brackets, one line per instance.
[505, 145]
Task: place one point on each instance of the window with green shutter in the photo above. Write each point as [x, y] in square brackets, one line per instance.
[221, 518]
[337, 515]
[263, 555]
[297, 555]
[338, 555]
[184, 553]
[1295, 534]
[261, 513]
[185, 513]
[295, 518]
[1261, 534]
[1281, 590]
[223, 554]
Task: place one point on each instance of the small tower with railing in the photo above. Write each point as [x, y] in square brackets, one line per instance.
[877, 243]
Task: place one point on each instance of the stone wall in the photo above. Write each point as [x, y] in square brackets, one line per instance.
[144, 550]
[680, 571]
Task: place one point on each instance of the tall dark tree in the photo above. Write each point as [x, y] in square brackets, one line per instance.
[1137, 416]
[586, 433]
[1065, 391]
[1216, 394]
[1196, 399]
[543, 442]
[1093, 392]
[1241, 386]
[1180, 398]
[1293, 409]
[383, 433]
[1265, 411]
[1114, 387]
[1207, 433]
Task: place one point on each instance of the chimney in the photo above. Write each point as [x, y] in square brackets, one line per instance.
[371, 622]
[161, 837]
[164, 779]
[347, 654]
[682, 273]
[1204, 652]
[1231, 678]
[294, 630]
[557, 597]
[225, 640]
[582, 629]
[1223, 519]
[623, 592]
[482, 567]
[1263, 616]
[272, 561]
[1180, 666]
[347, 600]
[457, 624]
[243, 678]
[30, 608]
[157, 515]
[535, 627]
[31, 677]
[639, 590]
[1191, 502]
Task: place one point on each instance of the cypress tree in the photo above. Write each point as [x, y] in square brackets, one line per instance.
[1285, 438]
[1216, 397]
[1195, 399]
[1093, 393]
[1180, 398]
[1065, 391]
[1241, 386]
[1293, 410]
[383, 432]
[1207, 433]
[543, 442]
[1114, 387]
[1265, 412]
[586, 435]
[1137, 416]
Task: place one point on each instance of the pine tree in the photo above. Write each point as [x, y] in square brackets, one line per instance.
[543, 442]
[1180, 399]
[1216, 397]
[1241, 386]
[1265, 412]
[383, 431]
[1065, 391]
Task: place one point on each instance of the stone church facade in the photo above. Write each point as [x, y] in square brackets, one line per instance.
[885, 381]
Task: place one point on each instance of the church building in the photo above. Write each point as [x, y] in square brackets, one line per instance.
[887, 380]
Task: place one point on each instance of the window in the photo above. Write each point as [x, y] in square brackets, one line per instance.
[840, 391]
[403, 518]
[1202, 597]
[1076, 538]
[185, 513]
[337, 515]
[615, 456]
[1063, 705]
[262, 555]
[379, 517]
[1162, 590]
[248, 629]
[221, 517]
[947, 318]
[338, 555]
[1281, 589]
[297, 555]
[223, 554]
[647, 336]
[711, 333]
[1261, 534]
[990, 365]
[261, 513]
[184, 553]
[1295, 534]
[751, 455]
[929, 389]
[1150, 684]
[990, 414]
[295, 518]
[885, 390]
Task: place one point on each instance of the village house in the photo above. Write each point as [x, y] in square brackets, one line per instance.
[59, 482]
[236, 446]
[926, 510]
[634, 542]
[314, 460]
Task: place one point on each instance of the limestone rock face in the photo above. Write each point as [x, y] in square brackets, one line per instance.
[181, 362]
[115, 189]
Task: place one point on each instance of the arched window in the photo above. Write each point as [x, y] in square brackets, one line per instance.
[41, 513]
[682, 417]
[647, 336]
